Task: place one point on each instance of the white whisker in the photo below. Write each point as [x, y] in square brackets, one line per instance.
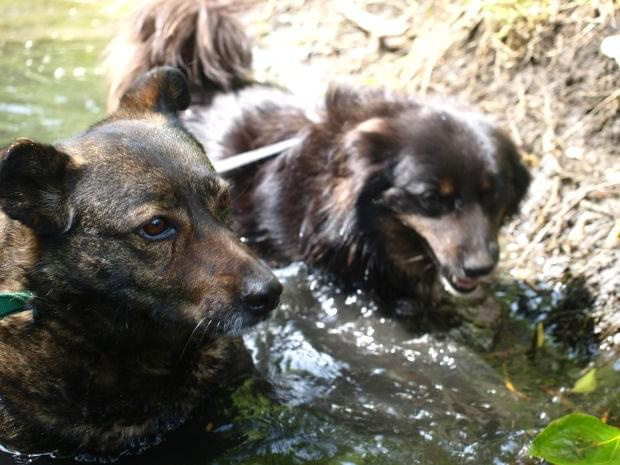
[190, 337]
[428, 267]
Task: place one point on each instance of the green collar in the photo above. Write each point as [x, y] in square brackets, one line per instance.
[11, 302]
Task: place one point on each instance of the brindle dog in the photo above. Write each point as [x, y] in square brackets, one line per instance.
[120, 233]
[386, 191]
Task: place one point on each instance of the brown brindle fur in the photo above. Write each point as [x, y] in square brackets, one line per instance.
[18, 249]
[127, 334]
[385, 191]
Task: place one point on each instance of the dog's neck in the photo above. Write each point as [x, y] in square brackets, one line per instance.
[115, 327]
[139, 374]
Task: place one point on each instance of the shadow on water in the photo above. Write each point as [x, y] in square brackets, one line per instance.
[349, 385]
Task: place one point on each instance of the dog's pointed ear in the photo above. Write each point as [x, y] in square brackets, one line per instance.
[163, 89]
[34, 180]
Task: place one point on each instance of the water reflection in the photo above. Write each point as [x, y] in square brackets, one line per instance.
[339, 356]
[52, 84]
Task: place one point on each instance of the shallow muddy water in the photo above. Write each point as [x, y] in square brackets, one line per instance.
[351, 385]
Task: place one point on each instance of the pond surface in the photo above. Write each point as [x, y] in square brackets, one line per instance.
[351, 385]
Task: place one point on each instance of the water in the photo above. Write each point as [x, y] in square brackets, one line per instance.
[350, 383]
[52, 85]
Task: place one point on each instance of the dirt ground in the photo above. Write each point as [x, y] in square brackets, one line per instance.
[535, 66]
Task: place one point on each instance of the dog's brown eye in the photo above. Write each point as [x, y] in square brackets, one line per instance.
[430, 197]
[156, 229]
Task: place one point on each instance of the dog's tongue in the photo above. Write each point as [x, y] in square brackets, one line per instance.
[466, 284]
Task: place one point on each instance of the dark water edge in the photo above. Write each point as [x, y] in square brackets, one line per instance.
[351, 385]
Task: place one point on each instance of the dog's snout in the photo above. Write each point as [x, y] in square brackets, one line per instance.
[260, 296]
[481, 263]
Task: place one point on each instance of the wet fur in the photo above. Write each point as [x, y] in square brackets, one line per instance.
[351, 197]
[125, 337]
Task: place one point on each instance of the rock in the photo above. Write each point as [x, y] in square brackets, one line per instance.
[610, 47]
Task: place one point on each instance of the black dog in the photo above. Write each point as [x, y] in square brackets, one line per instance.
[384, 191]
[120, 234]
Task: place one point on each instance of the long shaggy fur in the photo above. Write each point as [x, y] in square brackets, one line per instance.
[199, 37]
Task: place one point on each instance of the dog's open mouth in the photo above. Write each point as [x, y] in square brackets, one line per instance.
[458, 285]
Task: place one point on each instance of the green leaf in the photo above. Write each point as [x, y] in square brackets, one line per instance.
[578, 439]
[586, 384]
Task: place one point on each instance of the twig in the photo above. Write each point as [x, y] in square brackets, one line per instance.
[542, 215]
[610, 98]
[597, 208]
[580, 194]
[511, 386]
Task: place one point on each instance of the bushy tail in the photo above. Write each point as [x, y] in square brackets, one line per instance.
[200, 37]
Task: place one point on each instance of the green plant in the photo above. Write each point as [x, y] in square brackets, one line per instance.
[578, 439]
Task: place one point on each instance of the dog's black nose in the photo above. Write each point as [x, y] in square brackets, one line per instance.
[261, 296]
[477, 271]
[482, 261]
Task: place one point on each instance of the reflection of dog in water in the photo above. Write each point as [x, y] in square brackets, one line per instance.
[385, 191]
[120, 234]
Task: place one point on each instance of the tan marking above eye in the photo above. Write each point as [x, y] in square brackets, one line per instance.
[487, 184]
[446, 187]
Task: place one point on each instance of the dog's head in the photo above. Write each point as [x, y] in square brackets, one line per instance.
[438, 183]
[131, 213]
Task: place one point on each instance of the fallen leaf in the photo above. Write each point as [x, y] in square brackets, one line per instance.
[578, 439]
[610, 47]
[540, 335]
[586, 384]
